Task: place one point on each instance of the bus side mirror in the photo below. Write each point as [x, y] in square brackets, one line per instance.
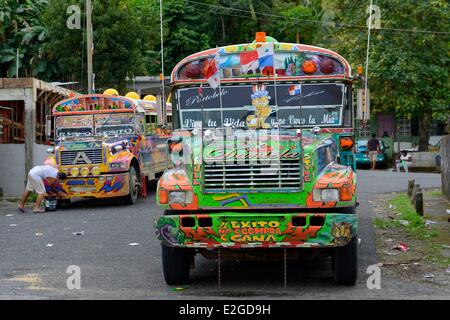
[48, 126]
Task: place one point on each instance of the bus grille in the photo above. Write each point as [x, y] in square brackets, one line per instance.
[260, 176]
[68, 157]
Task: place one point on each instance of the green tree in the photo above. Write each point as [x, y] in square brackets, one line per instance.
[185, 31]
[119, 38]
[408, 71]
[301, 22]
[240, 20]
[22, 29]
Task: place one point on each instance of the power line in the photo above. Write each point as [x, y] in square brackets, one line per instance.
[336, 25]
[330, 24]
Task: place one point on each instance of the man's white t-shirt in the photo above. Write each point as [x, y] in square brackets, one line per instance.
[43, 172]
[407, 157]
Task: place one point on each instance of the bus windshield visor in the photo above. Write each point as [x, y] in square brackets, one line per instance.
[114, 124]
[262, 106]
[90, 125]
[74, 126]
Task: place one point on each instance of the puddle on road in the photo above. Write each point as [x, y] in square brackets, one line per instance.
[32, 280]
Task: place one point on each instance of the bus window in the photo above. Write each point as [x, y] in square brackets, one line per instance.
[140, 124]
[151, 121]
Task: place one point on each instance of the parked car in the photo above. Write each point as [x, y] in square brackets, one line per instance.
[362, 157]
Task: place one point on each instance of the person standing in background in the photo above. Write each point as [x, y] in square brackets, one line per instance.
[373, 148]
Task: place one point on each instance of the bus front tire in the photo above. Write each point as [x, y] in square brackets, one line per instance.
[176, 264]
[133, 186]
[345, 263]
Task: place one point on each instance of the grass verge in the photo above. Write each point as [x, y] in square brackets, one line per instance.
[401, 210]
[416, 224]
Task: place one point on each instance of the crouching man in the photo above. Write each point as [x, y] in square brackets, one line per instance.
[35, 183]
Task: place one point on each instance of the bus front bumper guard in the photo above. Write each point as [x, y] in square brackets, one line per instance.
[103, 186]
[237, 230]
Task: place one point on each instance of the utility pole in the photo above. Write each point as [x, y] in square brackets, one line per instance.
[161, 76]
[17, 63]
[90, 45]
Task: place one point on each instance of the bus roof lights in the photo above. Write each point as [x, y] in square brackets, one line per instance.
[150, 97]
[327, 66]
[360, 70]
[132, 95]
[111, 92]
[309, 66]
[260, 37]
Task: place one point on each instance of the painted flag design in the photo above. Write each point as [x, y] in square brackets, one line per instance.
[295, 90]
[212, 73]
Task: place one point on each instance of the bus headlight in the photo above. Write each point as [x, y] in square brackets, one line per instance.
[84, 172]
[346, 143]
[181, 197]
[95, 171]
[118, 165]
[74, 172]
[326, 195]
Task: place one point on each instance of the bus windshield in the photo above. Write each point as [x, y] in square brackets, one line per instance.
[94, 125]
[263, 106]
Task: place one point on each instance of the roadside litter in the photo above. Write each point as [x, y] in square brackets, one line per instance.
[49, 245]
[13, 225]
[428, 276]
[403, 222]
[179, 288]
[429, 223]
[133, 244]
[78, 233]
[10, 215]
[38, 234]
[401, 246]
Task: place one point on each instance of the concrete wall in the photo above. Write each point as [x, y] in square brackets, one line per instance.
[12, 169]
[12, 166]
[423, 159]
[39, 154]
[16, 160]
[399, 146]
